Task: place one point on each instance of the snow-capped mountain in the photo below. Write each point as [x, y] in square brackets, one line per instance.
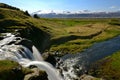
[76, 14]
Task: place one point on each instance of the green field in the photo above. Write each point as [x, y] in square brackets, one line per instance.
[74, 35]
[64, 36]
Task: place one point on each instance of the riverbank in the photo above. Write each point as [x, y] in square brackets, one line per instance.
[74, 65]
[77, 42]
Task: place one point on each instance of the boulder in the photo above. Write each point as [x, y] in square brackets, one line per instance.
[88, 77]
[36, 75]
[25, 42]
[10, 70]
[49, 58]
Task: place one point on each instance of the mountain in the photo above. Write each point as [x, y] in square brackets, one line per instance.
[54, 32]
[14, 20]
[78, 14]
[65, 38]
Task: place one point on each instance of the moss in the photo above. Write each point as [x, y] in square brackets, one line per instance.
[3, 5]
[63, 35]
[7, 70]
[36, 75]
[58, 34]
[115, 22]
[107, 68]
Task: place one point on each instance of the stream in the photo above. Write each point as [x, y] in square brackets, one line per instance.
[70, 66]
[73, 65]
[16, 49]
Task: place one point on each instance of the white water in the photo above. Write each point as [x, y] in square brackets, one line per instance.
[52, 74]
[9, 38]
[84, 59]
[26, 53]
[36, 54]
[25, 57]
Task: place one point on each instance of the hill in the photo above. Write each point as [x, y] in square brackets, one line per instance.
[62, 36]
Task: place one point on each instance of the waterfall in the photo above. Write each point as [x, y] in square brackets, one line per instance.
[52, 74]
[77, 64]
[15, 52]
[26, 53]
[25, 57]
[36, 54]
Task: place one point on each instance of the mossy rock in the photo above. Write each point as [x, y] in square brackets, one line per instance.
[36, 75]
[10, 70]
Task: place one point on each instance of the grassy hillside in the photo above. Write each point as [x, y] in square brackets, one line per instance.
[63, 35]
[78, 34]
[107, 68]
[10, 70]
[74, 35]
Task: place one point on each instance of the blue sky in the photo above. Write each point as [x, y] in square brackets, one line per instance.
[69, 5]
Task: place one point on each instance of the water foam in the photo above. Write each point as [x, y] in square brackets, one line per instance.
[50, 70]
[25, 57]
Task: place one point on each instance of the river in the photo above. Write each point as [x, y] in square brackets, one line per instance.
[73, 65]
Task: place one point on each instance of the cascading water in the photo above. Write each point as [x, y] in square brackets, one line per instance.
[36, 54]
[25, 57]
[73, 65]
[52, 75]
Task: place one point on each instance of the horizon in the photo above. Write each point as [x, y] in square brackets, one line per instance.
[65, 5]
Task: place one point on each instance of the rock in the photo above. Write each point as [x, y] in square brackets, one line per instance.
[57, 59]
[16, 40]
[36, 75]
[10, 70]
[25, 42]
[65, 68]
[32, 66]
[88, 77]
[1, 37]
[17, 69]
[49, 58]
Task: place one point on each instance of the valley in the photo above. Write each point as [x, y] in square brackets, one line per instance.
[82, 41]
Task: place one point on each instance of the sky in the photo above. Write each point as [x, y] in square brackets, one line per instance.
[65, 5]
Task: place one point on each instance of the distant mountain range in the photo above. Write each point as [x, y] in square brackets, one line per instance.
[86, 14]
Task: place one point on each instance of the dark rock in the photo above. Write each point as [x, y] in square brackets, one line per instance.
[32, 66]
[36, 75]
[65, 69]
[89, 77]
[17, 69]
[57, 59]
[10, 70]
[12, 42]
[49, 58]
[40, 38]
[1, 37]
[25, 42]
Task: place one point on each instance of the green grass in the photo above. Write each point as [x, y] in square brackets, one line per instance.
[6, 65]
[66, 35]
[9, 13]
[107, 68]
[7, 70]
[63, 35]
[63, 31]
[79, 44]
